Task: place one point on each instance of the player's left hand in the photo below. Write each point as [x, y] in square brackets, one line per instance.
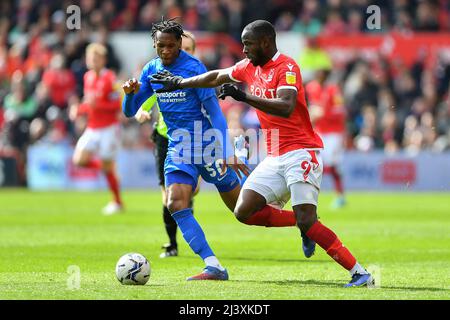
[169, 81]
[229, 89]
[142, 116]
[237, 165]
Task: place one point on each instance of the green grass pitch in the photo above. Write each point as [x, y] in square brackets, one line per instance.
[403, 237]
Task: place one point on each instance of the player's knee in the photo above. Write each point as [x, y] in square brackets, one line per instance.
[176, 204]
[306, 217]
[78, 160]
[81, 158]
[107, 166]
[242, 212]
[75, 161]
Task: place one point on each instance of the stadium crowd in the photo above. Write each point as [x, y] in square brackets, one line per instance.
[390, 106]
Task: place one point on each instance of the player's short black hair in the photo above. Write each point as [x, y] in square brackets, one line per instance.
[168, 26]
[262, 28]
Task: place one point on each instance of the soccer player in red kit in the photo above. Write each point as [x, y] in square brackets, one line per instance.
[327, 112]
[98, 145]
[293, 168]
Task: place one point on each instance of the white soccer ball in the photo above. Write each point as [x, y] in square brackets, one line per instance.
[133, 269]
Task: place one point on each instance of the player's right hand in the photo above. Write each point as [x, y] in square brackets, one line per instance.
[131, 86]
[141, 116]
[168, 81]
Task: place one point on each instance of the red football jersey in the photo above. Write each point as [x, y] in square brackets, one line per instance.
[329, 98]
[281, 72]
[106, 107]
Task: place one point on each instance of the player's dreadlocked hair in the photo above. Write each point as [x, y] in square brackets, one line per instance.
[168, 26]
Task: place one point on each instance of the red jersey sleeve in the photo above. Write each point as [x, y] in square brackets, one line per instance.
[288, 76]
[237, 72]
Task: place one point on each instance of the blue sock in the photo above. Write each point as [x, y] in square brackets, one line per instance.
[192, 233]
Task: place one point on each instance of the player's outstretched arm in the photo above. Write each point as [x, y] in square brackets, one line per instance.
[209, 79]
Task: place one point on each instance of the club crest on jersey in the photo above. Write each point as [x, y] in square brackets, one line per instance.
[291, 77]
[269, 76]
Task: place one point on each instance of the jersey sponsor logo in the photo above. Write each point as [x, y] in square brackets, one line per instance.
[175, 96]
[262, 92]
[291, 77]
[290, 66]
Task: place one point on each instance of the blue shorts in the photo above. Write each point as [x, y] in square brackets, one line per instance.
[188, 174]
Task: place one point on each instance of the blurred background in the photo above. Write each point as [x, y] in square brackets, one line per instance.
[395, 81]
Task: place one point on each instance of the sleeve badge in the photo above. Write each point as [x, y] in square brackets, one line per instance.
[291, 77]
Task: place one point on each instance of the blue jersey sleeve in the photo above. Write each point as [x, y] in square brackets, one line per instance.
[132, 102]
[218, 122]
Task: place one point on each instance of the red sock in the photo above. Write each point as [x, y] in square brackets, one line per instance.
[113, 184]
[337, 180]
[328, 240]
[272, 217]
[94, 164]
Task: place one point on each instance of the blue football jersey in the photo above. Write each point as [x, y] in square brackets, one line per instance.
[195, 146]
[181, 109]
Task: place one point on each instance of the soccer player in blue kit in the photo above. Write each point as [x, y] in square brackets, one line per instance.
[190, 114]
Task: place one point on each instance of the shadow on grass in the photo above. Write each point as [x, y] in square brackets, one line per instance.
[262, 259]
[273, 259]
[340, 284]
[415, 288]
[294, 282]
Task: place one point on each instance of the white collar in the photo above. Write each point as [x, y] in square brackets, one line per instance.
[276, 55]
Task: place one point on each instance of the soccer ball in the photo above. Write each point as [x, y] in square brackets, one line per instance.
[133, 269]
